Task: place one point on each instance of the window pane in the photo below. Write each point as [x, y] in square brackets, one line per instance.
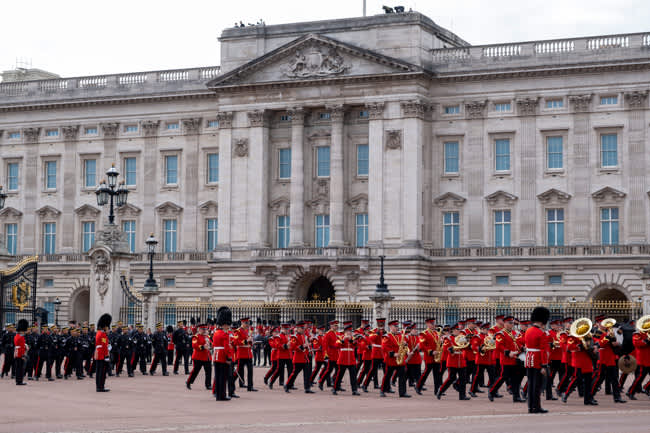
[170, 236]
[451, 280]
[451, 157]
[503, 279]
[323, 161]
[213, 167]
[283, 231]
[502, 154]
[555, 279]
[171, 166]
[130, 171]
[11, 237]
[362, 230]
[91, 172]
[50, 173]
[211, 234]
[608, 147]
[128, 227]
[451, 229]
[88, 230]
[285, 163]
[12, 176]
[554, 152]
[49, 238]
[362, 160]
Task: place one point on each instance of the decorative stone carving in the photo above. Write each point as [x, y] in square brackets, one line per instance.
[225, 119]
[527, 106]
[393, 139]
[70, 132]
[475, 109]
[581, 103]
[48, 212]
[554, 196]
[297, 115]
[315, 61]
[10, 214]
[636, 99]
[102, 270]
[449, 198]
[500, 196]
[86, 211]
[240, 148]
[320, 203]
[375, 110]
[280, 205]
[608, 194]
[271, 285]
[110, 129]
[359, 203]
[256, 118]
[169, 209]
[128, 210]
[150, 127]
[323, 188]
[113, 238]
[210, 207]
[191, 126]
[415, 109]
[337, 112]
[319, 133]
[352, 284]
[31, 134]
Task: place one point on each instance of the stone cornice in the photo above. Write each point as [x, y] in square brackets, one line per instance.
[637, 99]
[375, 110]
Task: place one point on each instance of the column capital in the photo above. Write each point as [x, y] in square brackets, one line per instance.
[527, 106]
[475, 109]
[416, 108]
[297, 115]
[70, 132]
[31, 134]
[225, 119]
[337, 112]
[191, 126]
[257, 118]
[150, 127]
[375, 110]
[110, 129]
[636, 99]
[581, 103]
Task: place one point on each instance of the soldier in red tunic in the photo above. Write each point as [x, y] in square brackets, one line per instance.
[536, 364]
[102, 353]
[455, 363]
[509, 350]
[641, 341]
[346, 360]
[299, 344]
[390, 346]
[414, 359]
[375, 338]
[243, 341]
[364, 349]
[281, 343]
[319, 353]
[20, 351]
[483, 357]
[275, 331]
[429, 340]
[200, 357]
[221, 353]
[582, 354]
[607, 367]
[329, 344]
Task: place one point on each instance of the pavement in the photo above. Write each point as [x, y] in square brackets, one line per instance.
[163, 404]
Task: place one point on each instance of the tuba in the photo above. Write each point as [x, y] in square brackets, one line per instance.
[643, 325]
[581, 329]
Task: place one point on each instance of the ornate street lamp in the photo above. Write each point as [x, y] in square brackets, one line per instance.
[382, 287]
[109, 191]
[3, 197]
[150, 285]
[57, 305]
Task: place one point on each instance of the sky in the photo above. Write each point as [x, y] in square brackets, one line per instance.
[92, 37]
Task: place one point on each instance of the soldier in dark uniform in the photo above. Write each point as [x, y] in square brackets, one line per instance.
[32, 353]
[126, 352]
[177, 339]
[159, 341]
[74, 347]
[113, 337]
[187, 350]
[141, 346]
[45, 351]
[8, 350]
[57, 350]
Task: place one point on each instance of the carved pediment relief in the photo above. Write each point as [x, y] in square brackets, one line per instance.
[168, 209]
[128, 210]
[359, 203]
[280, 205]
[319, 205]
[209, 207]
[501, 197]
[10, 213]
[312, 57]
[86, 210]
[319, 134]
[48, 212]
[608, 194]
[554, 196]
[449, 199]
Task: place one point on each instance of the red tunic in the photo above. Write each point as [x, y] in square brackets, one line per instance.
[170, 344]
[581, 358]
[484, 358]
[200, 348]
[101, 346]
[317, 346]
[505, 342]
[606, 355]
[364, 349]
[346, 351]
[240, 341]
[455, 359]
[390, 347]
[375, 340]
[221, 352]
[282, 344]
[416, 359]
[19, 346]
[329, 343]
[642, 344]
[298, 344]
[536, 341]
[273, 342]
[556, 352]
[428, 343]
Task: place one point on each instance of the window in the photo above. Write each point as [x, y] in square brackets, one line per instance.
[554, 103]
[285, 118]
[50, 174]
[170, 282]
[171, 169]
[554, 153]
[170, 236]
[555, 279]
[451, 157]
[322, 231]
[362, 229]
[608, 150]
[502, 228]
[213, 123]
[130, 171]
[362, 160]
[451, 280]
[608, 100]
[284, 231]
[211, 232]
[284, 164]
[208, 282]
[555, 227]
[131, 128]
[323, 161]
[502, 154]
[90, 131]
[49, 238]
[52, 133]
[609, 226]
[90, 173]
[172, 126]
[49, 307]
[14, 135]
[452, 109]
[451, 225]
[88, 236]
[48, 282]
[502, 280]
[128, 227]
[12, 176]
[213, 167]
[11, 237]
[324, 115]
[502, 106]
[363, 114]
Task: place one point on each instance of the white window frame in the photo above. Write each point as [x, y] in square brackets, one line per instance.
[284, 179]
[211, 232]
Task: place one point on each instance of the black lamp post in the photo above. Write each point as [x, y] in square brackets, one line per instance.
[57, 305]
[382, 287]
[150, 285]
[107, 190]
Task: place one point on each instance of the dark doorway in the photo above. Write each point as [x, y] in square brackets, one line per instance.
[610, 295]
[320, 290]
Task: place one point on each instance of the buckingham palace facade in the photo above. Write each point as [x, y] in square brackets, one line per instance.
[517, 170]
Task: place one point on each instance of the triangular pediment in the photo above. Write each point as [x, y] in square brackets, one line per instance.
[449, 198]
[87, 210]
[209, 207]
[500, 196]
[128, 210]
[280, 205]
[10, 212]
[553, 194]
[608, 193]
[312, 57]
[168, 209]
[48, 211]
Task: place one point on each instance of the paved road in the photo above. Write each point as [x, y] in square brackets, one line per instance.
[162, 404]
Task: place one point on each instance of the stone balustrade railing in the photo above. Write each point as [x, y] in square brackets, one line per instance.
[308, 251]
[154, 81]
[591, 250]
[194, 256]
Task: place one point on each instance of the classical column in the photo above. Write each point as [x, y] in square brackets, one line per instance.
[69, 170]
[636, 211]
[110, 131]
[150, 179]
[224, 199]
[32, 191]
[475, 168]
[258, 179]
[191, 128]
[580, 208]
[337, 113]
[527, 109]
[297, 194]
[375, 173]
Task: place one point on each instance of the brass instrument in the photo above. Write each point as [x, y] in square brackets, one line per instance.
[488, 344]
[608, 324]
[403, 350]
[460, 343]
[643, 325]
[581, 329]
[437, 354]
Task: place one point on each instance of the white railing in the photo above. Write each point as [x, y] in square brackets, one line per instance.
[645, 41]
[53, 85]
[13, 89]
[555, 47]
[608, 42]
[450, 54]
[209, 73]
[502, 50]
[310, 252]
[173, 75]
[136, 78]
[92, 82]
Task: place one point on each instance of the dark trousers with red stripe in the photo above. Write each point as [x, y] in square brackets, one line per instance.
[248, 365]
[8, 363]
[366, 366]
[608, 374]
[508, 373]
[642, 372]
[534, 385]
[185, 357]
[272, 370]
[566, 378]
[400, 370]
[329, 370]
[196, 369]
[555, 368]
[221, 372]
[44, 360]
[100, 374]
[158, 357]
[374, 373]
[139, 358]
[300, 367]
[454, 375]
[585, 379]
[413, 373]
[478, 374]
[319, 365]
[282, 365]
[341, 372]
[433, 368]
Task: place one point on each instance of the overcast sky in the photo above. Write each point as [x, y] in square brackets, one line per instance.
[89, 37]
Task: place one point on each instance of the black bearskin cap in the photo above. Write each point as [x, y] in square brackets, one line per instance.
[540, 314]
[22, 325]
[170, 328]
[104, 321]
[224, 316]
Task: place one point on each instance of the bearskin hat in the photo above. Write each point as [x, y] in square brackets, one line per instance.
[192, 321]
[540, 314]
[22, 325]
[170, 328]
[224, 316]
[104, 321]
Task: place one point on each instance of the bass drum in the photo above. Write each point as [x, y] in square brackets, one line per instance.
[627, 364]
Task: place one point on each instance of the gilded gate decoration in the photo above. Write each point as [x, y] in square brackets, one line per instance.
[18, 291]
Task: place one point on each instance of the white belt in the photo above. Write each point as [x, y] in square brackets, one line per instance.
[219, 348]
[346, 349]
[533, 350]
[377, 345]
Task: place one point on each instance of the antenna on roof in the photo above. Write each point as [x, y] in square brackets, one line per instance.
[364, 8]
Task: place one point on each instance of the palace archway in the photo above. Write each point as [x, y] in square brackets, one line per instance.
[321, 289]
[608, 293]
[81, 306]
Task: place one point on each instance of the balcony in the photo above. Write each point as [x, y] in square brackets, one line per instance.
[585, 251]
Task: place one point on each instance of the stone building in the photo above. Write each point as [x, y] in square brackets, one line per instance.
[513, 170]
